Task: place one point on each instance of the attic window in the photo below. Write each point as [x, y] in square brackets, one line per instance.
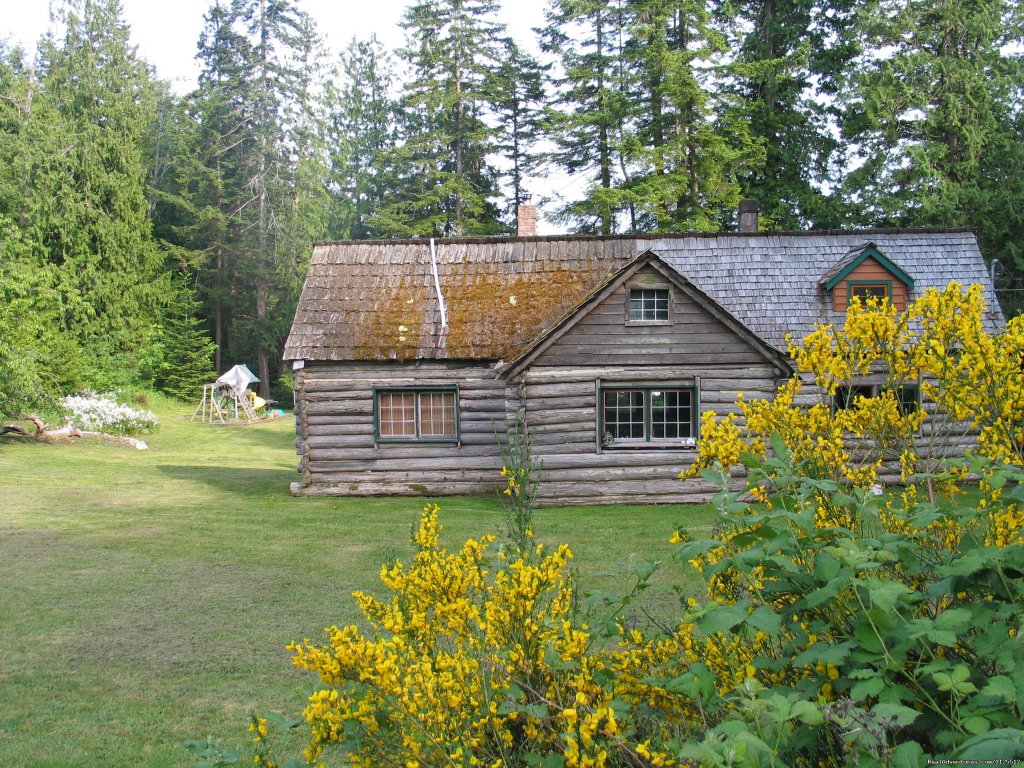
[648, 304]
[424, 414]
[864, 291]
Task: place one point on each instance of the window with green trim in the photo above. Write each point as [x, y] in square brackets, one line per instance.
[636, 416]
[866, 290]
[416, 414]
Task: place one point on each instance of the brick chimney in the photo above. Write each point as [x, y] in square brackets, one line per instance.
[748, 216]
[526, 220]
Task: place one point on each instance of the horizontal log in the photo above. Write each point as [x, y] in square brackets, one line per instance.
[605, 499]
[562, 374]
[598, 354]
[654, 461]
[562, 389]
[389, 489]
[571, 418]
[490, 479]
[394, 459]
[624, 488]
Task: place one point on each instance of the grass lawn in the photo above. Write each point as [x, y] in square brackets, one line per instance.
[146, 596]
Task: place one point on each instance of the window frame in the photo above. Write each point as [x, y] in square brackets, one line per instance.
[876, 389]
[851, 284]
[653, 287]
[418, 391]
[648, 442]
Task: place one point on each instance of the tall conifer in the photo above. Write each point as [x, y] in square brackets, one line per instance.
[448, 185]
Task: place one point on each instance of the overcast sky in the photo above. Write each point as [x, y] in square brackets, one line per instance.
[166, 31]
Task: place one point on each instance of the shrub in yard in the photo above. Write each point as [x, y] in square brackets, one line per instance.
[477, 659]
[866, 641]
[971, 382]
[102, 413]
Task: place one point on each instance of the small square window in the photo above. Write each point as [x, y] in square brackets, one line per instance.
[648, 304]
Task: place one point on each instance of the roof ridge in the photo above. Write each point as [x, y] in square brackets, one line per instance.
[494, 239]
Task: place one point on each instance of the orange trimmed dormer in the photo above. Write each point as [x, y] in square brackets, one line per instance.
[866, 273]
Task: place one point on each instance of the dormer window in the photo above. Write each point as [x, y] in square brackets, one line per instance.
[866, 273]
[865, 291]
[648, 305]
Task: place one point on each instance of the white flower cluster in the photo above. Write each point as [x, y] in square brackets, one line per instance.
[102, 413]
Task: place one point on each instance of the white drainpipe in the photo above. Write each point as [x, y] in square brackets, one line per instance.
[437, 285]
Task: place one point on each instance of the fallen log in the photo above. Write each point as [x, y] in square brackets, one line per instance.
[43, 432]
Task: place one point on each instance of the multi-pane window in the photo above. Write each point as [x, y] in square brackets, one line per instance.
[648, 304]
[647, 415]
[410, 414]
[908, 397]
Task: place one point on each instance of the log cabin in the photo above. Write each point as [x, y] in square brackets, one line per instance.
[411, 356]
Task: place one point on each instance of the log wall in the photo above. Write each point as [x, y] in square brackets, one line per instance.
[335, 435]
[561, 404]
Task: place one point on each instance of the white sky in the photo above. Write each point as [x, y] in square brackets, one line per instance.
[166, 33]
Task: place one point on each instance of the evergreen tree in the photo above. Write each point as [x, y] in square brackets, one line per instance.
[363, 136]
[447, 183]
[690, 141]
[790, 58]
[85, 207]
[187, 362]
[253, 103]
[517, 103]
[589, 104]
[933, 113]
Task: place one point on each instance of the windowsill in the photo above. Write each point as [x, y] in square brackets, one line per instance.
[416, 440]
[634, 323]
[645, 445]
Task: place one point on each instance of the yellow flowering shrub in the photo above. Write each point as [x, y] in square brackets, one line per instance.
[972, 388]
[475, 659]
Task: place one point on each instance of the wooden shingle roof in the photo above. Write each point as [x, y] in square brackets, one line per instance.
[376, 300]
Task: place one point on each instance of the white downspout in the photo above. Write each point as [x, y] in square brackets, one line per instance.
[437, 286]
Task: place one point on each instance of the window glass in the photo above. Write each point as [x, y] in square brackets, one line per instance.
[624, 414]
[671, 414]
[647, 415]
[907, 397]
[417, 414]
[397, 414]
[648, 304]
[437, 414]
[865, 292]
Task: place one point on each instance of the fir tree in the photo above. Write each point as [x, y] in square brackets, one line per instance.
[790, 59]
[517, 104]
[187, 362]
[85, 204]
[936, 121]
[363, 135]
[691, 141]
[589, 104]
[447, 182]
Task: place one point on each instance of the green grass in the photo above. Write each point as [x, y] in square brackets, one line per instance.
[146, 596]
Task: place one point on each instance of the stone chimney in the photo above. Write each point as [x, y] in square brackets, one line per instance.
[748, 216]
[526, 219]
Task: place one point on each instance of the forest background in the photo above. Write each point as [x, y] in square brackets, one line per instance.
[150, 238]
